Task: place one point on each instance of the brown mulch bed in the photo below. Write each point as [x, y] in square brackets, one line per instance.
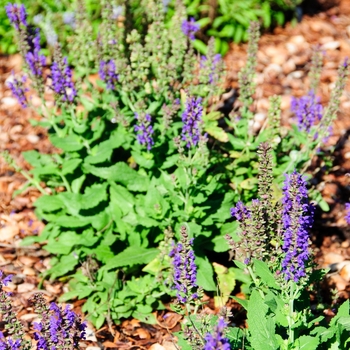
[283, 64]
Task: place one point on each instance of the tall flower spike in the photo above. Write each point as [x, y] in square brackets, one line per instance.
[297, 219]
[316, 68]
[17, 15]
[325, 126]
[247, 73]
[144, 130]
[58, 329]
[18, 89]
[211, 69]
[12, 325]
[34, 60]
[189, 28]
[185, 269]
[274, 119]
[61, 76]
[192, 118]
[308, 111]
[217, 340]
[107, 73]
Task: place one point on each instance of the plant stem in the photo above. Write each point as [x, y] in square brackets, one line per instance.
[290, 316]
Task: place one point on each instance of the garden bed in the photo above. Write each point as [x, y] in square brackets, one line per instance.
[283, 64]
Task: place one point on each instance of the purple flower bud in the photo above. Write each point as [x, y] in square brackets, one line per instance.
[69, 19]
[62, 82]
[240, 212]
[189, 28]
[18, 90]
[144, 130]
[297, 219]
[347, 215]
[192, 118]
[17, 15]
[108, 73]
[308, 110]
[216, 340]
[35, 61]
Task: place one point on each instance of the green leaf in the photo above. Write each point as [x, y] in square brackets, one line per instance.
[205, 277]
[121, 173]
[249, 184]
[132, 256]
[242, 302]
[142, 161]
[306, 342]
[261, 327]
[263, 271]
[49, 203]
[94, 195]
[70, 165]
[226, 283]
[69, 143]
[77, 183]
[227, 31]
[72, 222]
[200, 46]
[220, 244]
[64, 245]
[66, 264]
[145, 318]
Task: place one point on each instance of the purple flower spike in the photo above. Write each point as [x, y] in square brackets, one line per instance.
[185, 269]
[18, 90]
[347, 215]
[191, 118]
[240, 212]
[216, 340]
[297, 219]
[144, 131]
[35, 61]
[58, 329]
[308, 110]
[189, 28]
[62, 82]
[108, 73]
[9, 344]
[17, 15]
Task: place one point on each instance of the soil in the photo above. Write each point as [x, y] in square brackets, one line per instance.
[283, 65]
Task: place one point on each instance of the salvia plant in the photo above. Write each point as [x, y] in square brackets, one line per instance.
[57, 329]
[273, 249]
[145, 158]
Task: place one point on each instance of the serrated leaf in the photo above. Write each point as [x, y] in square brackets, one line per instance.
[72, 222]
[132, 256]
[49, 203]
[71, 202]
[261, 327]
[121, 173]
[69, 143]
[94, 195]
[205, 273]
[66, 264]
[306, 342]
[70, 165]
[263, 271]
[65, 244]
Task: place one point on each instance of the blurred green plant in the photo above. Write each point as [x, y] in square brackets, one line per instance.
[228, 20]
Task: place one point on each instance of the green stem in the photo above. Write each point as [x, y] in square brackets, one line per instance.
[255, 280]
[291, 316]
[66, 183]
